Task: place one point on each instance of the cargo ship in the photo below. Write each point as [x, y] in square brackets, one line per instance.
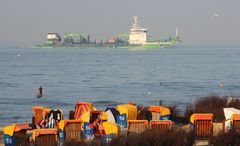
[137, 38]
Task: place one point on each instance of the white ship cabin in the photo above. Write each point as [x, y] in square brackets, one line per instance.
[137, 34]
[53, 38]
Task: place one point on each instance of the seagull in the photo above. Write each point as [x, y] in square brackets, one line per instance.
[221, 85]
[215, 15]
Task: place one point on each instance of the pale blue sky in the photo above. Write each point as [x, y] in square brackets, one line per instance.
[26, 22]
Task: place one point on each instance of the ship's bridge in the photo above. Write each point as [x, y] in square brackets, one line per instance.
[141, 30]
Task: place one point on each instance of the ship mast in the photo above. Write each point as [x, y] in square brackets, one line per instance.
[177, 33]
[135, 26]
[177, 37]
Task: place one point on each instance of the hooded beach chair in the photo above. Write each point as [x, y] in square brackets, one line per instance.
[16, 135]
[201, 125]
[45, 137]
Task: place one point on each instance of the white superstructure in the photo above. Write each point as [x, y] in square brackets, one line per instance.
[52, 36]
[138, 35]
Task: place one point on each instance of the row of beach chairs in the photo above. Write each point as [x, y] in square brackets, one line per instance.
[75, 129]
[139, 126]
[201, 125]
[72, 132]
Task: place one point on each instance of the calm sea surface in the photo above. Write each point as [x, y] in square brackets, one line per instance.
[108, 77]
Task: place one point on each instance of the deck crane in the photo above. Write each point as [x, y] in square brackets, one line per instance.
[76, 38]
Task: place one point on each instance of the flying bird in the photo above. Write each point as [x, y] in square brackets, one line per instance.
[215, 15]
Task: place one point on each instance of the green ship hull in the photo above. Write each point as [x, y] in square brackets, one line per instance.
[143, 46]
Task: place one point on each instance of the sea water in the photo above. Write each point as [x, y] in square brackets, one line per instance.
[107, 77]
